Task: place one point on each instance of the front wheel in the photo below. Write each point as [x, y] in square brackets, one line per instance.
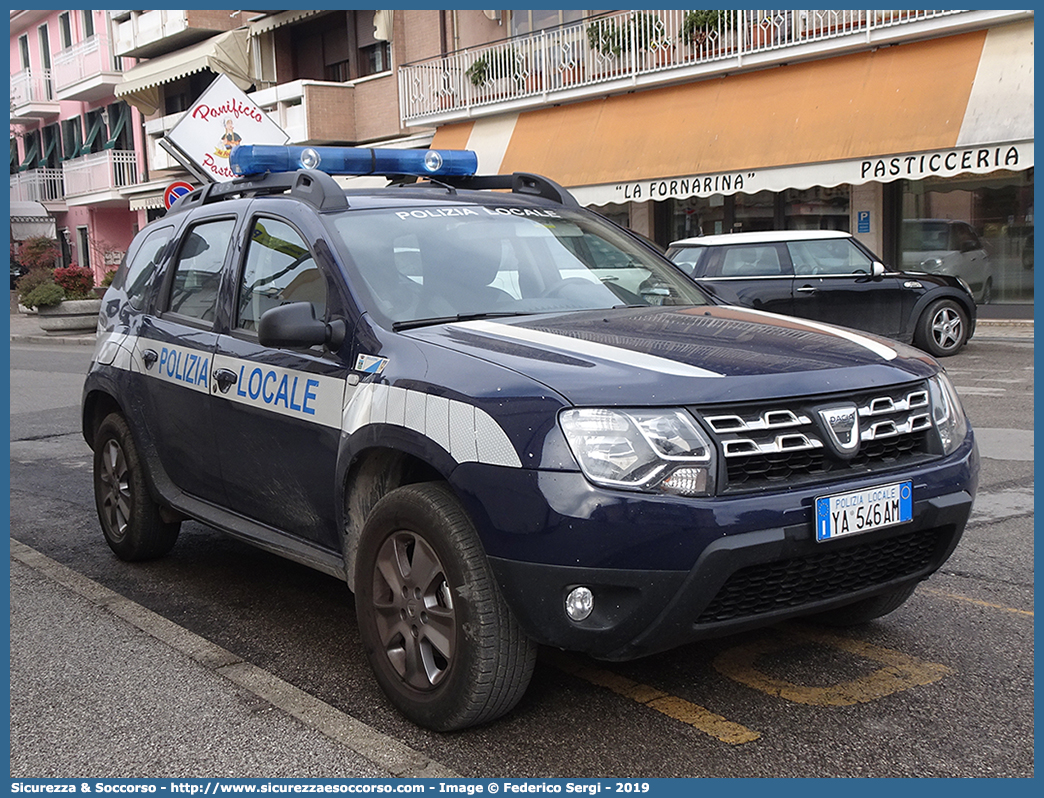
[130, 519]
[943, 328]
[440, 638]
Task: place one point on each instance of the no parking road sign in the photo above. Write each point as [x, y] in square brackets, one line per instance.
[176, 191]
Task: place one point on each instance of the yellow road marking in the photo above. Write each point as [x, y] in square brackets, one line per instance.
[694, 715]
[899, 671]
[958, 597]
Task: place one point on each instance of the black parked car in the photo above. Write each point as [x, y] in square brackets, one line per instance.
[828, 276]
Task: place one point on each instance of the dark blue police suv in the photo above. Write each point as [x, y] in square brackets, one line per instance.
[505, 422]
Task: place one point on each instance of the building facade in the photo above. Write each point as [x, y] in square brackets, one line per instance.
[901, 127]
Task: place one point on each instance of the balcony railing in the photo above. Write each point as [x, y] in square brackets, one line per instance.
[29, 87]
[616, 48]
[90, 58]
[37, 185]
[101, 171]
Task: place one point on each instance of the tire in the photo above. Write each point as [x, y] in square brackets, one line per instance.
[440, 638]
[987, 292]
[867, 609]
[130, 519]
[943, 328]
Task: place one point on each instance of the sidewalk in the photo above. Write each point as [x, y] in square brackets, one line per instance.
[25, 329]
[113, 690]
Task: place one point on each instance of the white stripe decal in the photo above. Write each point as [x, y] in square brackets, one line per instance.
[876, 347]
[469, 434]
[304, 395]
[577, 346]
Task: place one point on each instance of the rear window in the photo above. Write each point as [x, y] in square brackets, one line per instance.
[141, 268]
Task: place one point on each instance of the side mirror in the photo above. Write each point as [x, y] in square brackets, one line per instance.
[877, 270]
[294, 326]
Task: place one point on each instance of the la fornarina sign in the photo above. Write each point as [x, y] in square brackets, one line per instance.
[221, 118]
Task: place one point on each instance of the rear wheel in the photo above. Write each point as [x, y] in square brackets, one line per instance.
[130, 519]
[943, 328]
[442, 642]
[868, 609]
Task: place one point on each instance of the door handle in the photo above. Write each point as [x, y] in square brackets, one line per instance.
[150, 357]
[806, 289]
[225, 379]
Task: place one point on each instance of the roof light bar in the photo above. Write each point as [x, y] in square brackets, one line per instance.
[252, 159]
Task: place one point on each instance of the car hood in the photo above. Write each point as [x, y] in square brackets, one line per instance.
[663, 355]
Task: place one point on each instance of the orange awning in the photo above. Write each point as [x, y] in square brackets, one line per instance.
[824, 122]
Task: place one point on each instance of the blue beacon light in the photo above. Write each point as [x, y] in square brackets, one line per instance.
[252, 159]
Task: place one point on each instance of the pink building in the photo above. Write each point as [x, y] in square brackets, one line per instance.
[74, 146]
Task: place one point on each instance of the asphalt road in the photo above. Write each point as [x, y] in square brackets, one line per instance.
[943, 687]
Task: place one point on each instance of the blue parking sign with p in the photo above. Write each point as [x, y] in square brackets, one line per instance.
[863, 221]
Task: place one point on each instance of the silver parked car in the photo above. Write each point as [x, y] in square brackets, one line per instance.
[947, 246]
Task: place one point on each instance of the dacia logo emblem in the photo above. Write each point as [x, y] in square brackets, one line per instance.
[842, 423]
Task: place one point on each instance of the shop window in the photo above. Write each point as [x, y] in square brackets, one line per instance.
[817, 208]
[979, 228]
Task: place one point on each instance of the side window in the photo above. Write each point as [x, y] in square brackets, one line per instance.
[197, 273]
[751, 262]
[142, 267]
[832, 256]
[279, 269]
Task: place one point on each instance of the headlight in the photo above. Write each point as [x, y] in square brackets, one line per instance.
[657, 451]
[947, 413]
[931, 264]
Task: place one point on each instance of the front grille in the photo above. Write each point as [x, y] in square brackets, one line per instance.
[759, 589]
[789, 443]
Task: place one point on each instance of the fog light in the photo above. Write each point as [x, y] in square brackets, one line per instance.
[579, 603]
[687, 482]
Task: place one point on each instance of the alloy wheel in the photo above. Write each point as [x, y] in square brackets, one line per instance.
[413, 610]
[115, 489]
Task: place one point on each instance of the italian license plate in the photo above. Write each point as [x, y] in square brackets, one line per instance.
[863, 510]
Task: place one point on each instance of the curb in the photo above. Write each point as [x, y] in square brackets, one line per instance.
[382, 751]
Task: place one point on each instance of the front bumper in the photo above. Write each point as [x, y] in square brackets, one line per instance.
[760, 564]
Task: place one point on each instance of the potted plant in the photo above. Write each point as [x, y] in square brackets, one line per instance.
[616, 37]
[496, 65]
[66, 303]
[697, 25]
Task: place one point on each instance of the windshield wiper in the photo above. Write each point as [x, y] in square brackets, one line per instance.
[410, 324]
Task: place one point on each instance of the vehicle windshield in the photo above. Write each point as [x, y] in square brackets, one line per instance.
[920, 236]
[438, 263]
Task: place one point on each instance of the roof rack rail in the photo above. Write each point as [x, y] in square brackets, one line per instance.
[518, 182]
[309, 185]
